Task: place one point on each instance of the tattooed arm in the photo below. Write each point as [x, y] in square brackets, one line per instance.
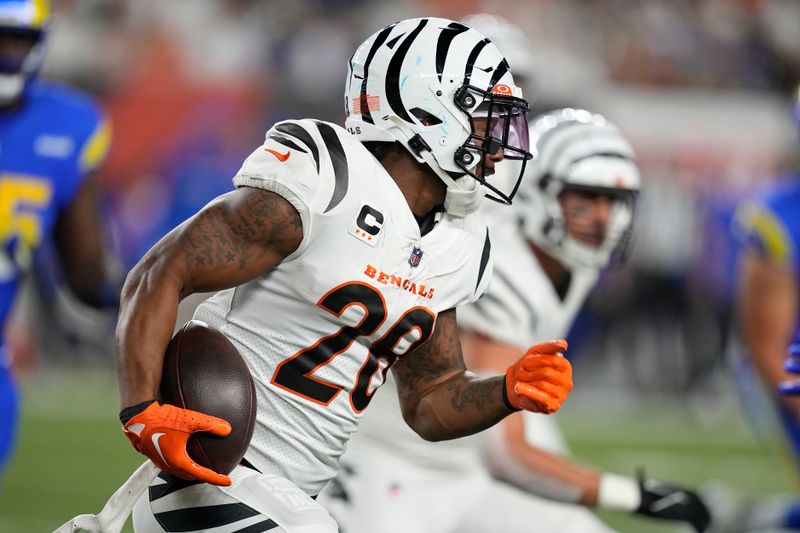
[440, 399]
[234, 239]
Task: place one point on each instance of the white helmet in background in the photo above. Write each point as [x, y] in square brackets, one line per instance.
[580, 151]
[422, 82]
[511, 40]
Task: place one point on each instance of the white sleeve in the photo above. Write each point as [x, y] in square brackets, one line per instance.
[502, 465]
[474, 265]
[287, 166]
[485, 270]
[503, 314]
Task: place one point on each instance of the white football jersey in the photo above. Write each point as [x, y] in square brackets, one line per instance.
[364, 287]
[521, 308]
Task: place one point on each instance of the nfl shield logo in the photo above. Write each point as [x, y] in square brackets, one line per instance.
[415, 257]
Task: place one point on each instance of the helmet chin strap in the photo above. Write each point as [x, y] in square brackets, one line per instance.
[464, 196]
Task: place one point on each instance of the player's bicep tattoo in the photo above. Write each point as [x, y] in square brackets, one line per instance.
[433, 361]
[243, 230]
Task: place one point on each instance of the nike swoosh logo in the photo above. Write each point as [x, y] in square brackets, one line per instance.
[155, 438]
[281, 157]
[676, 498]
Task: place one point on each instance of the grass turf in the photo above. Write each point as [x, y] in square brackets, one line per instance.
[71, 454]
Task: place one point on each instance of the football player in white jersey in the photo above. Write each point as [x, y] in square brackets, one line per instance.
[573, 212]
[340, 254]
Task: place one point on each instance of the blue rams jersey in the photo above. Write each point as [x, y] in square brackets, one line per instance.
[47, 146]
[770, 224]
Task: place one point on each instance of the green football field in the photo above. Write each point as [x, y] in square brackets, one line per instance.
[72, 456]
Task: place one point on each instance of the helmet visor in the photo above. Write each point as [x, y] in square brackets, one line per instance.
[511, 126]
[499, 122]
[506, 122]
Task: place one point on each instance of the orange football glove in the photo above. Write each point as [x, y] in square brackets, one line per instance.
[161, 431]
[540, 380]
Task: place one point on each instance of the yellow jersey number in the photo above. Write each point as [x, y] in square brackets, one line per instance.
[22, 199]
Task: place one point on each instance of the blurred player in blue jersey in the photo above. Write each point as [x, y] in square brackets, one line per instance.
[51, 141]
[768, 319]
[792, 387]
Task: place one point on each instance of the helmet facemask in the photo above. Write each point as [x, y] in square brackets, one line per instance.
[499, 121]
[437, 69]
[573, 252]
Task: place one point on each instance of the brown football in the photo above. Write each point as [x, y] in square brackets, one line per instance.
[204, 372]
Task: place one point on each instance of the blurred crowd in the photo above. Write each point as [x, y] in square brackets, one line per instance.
[700, 86]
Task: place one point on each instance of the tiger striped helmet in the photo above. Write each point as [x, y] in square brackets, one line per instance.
[577, 150]
[23, 27]
[423, 82]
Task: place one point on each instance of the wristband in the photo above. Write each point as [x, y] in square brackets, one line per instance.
[129, 412]
[504, 394]
[618, 493]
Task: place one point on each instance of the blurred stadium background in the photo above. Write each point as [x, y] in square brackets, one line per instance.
[701, 87]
